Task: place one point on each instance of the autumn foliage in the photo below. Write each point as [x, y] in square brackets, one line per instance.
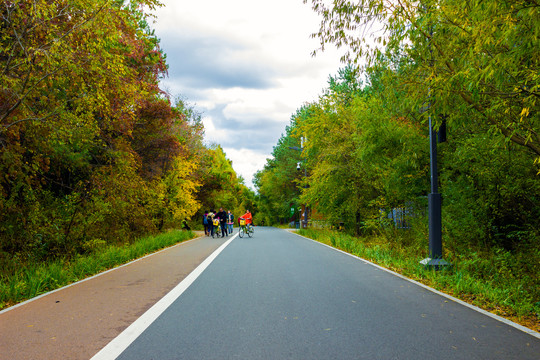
[92, 152]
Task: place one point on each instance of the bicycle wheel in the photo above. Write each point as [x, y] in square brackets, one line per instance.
[241, 231]
[250, 231]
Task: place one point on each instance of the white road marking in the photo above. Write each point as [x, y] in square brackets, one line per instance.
[129, 335]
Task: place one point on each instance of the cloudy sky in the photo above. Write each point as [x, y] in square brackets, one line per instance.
[246, 65]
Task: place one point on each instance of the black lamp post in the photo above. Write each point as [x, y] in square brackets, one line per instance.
[435, 259]
[305, 217]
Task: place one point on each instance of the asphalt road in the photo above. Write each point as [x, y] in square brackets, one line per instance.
[280, 296]
[77, 321]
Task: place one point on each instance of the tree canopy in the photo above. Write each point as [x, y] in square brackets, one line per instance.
[467, 56]
[92, 151]
[470, 64]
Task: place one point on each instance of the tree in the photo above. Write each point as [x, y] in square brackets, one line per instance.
[279, 183]
[152, 137]
[221, 186]
[64, 124]
[474, 55]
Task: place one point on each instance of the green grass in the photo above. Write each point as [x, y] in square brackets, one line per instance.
[507, 284]
[32, 279]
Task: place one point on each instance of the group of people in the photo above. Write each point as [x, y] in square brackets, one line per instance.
[226, 221]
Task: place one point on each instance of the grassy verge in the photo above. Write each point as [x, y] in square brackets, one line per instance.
[33, 279]
[502, 283]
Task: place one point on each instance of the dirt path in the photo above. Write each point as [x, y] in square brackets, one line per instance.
[77, 321]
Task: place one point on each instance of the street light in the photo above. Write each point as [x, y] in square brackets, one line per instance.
[305, 217]
[435, 259]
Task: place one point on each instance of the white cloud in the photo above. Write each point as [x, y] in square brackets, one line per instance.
[244, 161]
[247, 66]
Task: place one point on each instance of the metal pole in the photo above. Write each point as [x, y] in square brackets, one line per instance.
[305, 206]
[305, 219]
[434, 200]
[435, 259]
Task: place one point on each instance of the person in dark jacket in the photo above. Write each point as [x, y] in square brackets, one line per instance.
[185, 225]
[222, 215]
[210, 219]
[205, 223]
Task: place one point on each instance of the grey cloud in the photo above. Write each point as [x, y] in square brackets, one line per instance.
[259, 135]
[207, 62]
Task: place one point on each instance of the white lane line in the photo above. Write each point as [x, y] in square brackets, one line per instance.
[122, 341]
[456, 300]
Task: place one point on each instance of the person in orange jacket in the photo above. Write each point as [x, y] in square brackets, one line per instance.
[247, 216]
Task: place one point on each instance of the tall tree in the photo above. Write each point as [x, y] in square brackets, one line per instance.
[280, 181]
[474, 55]
[65, 124]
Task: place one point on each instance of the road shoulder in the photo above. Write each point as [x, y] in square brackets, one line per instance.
[75, 322]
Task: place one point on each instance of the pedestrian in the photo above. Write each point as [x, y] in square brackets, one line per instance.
[205, 223]
[222, 215]
[210, 219]
[230, 221]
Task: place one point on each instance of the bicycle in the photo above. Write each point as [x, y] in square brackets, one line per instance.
[217, 229]
[245, 229]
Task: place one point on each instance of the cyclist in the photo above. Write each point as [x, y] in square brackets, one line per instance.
[247, 216]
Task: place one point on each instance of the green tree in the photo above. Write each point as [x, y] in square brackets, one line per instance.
[221, 187]
[359, 154]
[279, 183]
[475, 55]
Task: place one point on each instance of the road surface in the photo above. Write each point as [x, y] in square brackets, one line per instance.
[280, 296]
[77, 321]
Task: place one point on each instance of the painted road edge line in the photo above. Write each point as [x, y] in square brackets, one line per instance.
[461, 302]
[120, 343]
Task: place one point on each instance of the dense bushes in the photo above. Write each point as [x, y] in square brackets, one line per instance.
[91, 150]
